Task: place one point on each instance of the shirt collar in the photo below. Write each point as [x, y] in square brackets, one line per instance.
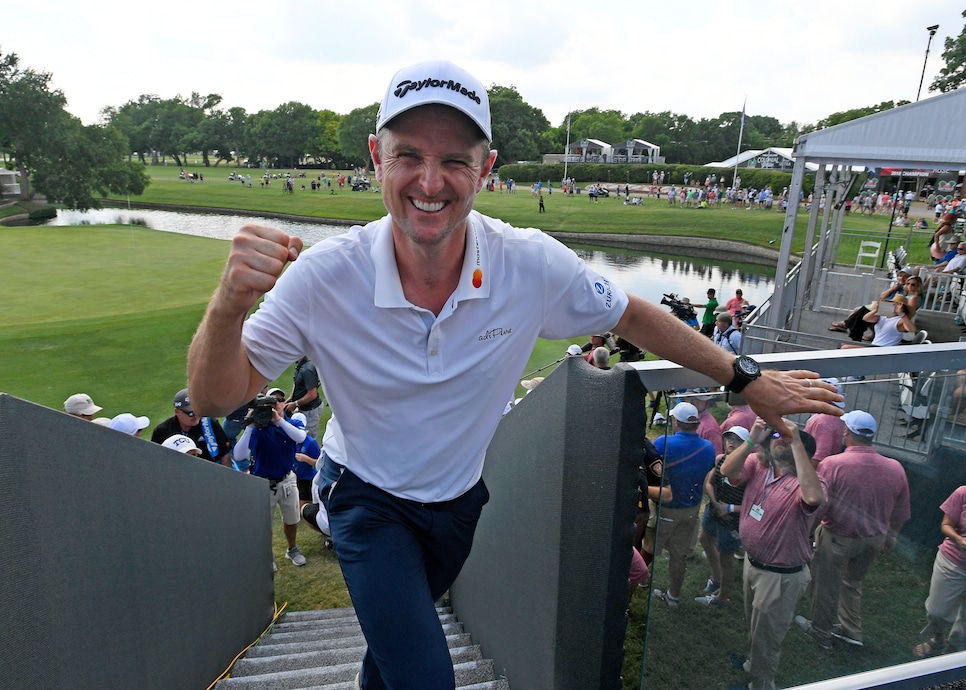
[474, 278]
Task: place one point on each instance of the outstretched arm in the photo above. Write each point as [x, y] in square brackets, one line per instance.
[773, 394]
[220, 376]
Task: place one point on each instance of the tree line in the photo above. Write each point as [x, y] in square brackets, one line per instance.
[73, 164]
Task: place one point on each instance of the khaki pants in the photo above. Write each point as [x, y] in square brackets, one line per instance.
[770, 600]
[946, 603]
[839, 566]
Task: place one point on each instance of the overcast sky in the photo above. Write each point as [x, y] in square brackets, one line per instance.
[794, 61]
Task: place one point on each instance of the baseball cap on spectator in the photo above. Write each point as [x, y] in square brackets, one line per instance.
[273, 391]
[838, 389]
[102, 421]
[438, 82]
[128, 424]
[574, 350]
[739, 431]
[299, 420]
[860, 423]
[659, 418]
[181, 401]
[181, 443]
[685, 412]
[81, 403]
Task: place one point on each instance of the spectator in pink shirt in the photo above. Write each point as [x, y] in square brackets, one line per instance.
[827, 429]
[868, 503]
[783, 496]
[946, 603]
[708, 428]
[740, 415]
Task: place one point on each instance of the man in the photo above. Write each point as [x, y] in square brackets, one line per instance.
[708, 427]
[868, 503]
[81, 405]
[687, 460]
[434, 289]
[307, 454]
[305, 395]
[782, 497]
[736, 305]
[725, 335]
[708, 317]
[827, 429]
[204, 431]
[272, 449]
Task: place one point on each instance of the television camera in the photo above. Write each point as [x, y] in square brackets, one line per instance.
[681, 310]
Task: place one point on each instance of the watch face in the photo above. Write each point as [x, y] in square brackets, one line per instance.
[748, 366]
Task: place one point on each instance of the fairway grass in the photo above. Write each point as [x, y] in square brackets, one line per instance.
[564, 213]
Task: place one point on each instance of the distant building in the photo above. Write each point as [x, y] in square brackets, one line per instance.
[589, 151]
[636, 151]
[9, 187]
[772, 158]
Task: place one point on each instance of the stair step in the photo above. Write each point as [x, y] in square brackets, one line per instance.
[262, 650]
[330, 657]
[322, 650]
[342, 676]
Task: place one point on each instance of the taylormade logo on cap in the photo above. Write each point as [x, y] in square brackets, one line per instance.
[441, 83]
[405, 86]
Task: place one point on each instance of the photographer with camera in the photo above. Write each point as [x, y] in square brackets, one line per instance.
[682, 309]
[206, 432]
[271, 440]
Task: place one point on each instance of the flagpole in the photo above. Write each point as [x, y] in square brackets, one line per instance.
[741, 131]
[567, 148]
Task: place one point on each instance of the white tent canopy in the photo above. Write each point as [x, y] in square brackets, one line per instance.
[927, 134]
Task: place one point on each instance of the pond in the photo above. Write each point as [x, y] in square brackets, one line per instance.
[647, 274]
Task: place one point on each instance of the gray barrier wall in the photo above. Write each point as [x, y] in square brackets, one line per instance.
[545, 589]
[124, 564]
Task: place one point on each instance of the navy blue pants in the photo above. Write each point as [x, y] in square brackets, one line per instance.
[398, 557]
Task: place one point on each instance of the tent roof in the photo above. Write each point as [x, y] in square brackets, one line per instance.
[924, 134]
[746, 156]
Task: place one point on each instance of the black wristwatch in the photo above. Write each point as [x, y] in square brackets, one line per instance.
[746, 371]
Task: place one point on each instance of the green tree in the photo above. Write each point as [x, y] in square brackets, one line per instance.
[30, 114]
[284, 136]
[517, 125]
[79, 164]
[854, 114]
[67, 162]
[327, 148]
[353, 132]
[953, 74]
[609, 126]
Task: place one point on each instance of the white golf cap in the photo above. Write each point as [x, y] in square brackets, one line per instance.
[129, 424]
[860, 422]
[180, 443]
[437, 82]
[685, 412]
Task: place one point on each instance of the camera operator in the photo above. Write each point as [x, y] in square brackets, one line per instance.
[682, 309]
[271, 439]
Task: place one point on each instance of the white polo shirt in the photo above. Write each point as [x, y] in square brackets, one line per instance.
[417, 404]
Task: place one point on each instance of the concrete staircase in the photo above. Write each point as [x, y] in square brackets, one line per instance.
[309, 650]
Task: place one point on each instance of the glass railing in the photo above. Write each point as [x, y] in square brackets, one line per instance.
[917, 394]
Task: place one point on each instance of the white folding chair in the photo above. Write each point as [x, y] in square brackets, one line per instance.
[868, 250]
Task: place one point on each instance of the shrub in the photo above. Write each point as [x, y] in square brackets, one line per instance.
[39, 215]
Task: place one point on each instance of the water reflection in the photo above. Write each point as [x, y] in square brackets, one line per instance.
[647, 274]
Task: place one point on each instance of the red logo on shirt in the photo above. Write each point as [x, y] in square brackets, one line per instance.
[477, 278]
